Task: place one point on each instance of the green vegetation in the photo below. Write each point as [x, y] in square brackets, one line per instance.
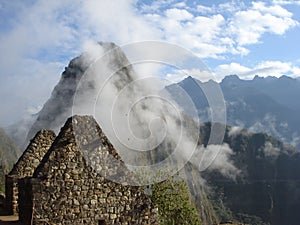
[172, 198]
[218, 199]
[250, 219]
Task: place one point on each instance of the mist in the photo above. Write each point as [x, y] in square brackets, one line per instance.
[151, 132]
[137, 116]
[216, 158]
[148, 128]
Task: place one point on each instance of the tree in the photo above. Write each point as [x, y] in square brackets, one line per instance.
[172, 198]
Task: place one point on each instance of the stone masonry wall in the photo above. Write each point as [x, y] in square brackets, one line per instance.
[70, 186]
[26, 166]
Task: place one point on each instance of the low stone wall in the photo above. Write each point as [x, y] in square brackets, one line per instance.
[11, 194]
[80, 204]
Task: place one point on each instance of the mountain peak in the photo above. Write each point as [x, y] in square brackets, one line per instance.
[231, 77]
[109, 59]
[231, 80]
[107, 45]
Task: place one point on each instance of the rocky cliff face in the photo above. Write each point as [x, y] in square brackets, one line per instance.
[59, 107]
[267, 189]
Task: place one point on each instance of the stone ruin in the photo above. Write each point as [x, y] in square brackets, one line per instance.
[70, 184]
[25, 167]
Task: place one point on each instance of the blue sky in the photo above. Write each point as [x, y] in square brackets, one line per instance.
[38, 38]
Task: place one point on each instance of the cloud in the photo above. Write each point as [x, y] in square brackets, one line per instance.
[178, 14]
[51, 33]
[176, 77]
[180, 5]
[264, 69]
[275, 10]
[34, 42]
[232, 68]
[216, 158]
[133, 112]
[179, 75]
[286, 2]
[235, 130]
[268, 124]
[43, 36]
[249, 25]
[118, 21]
[204, 9]
[27, 88]
[270, 151]
[197, 33]
[221, 29]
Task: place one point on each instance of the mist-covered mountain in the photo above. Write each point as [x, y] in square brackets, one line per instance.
[267, 189]
[253, 178]
[61, 103]
[19, 130]
[270, 105]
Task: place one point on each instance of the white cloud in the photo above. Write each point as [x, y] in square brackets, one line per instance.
[216, 33]
[249, 25]
[156, 5]
[286, 2]
[270, 150]
[35, 40]
[176, 77]
[204, 9]
[49, 33]
[43, 36]
[180, 5]
[264, 69]
[178, 14]
[202, 75]
[278, 68]
[199, 33]
[235, 130]
[230, 6]
[216, 158]
[28, 88]
[230, 69]
[208, 28]
[117, 21]
[275, 10]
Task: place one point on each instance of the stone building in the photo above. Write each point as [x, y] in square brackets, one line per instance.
[25, 166]
[72, 184]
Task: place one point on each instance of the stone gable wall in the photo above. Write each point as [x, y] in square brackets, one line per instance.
[26, 166]
[33, 154]
[70, 187]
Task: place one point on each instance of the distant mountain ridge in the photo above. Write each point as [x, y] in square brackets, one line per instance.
[284, 90]
[269, 105]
